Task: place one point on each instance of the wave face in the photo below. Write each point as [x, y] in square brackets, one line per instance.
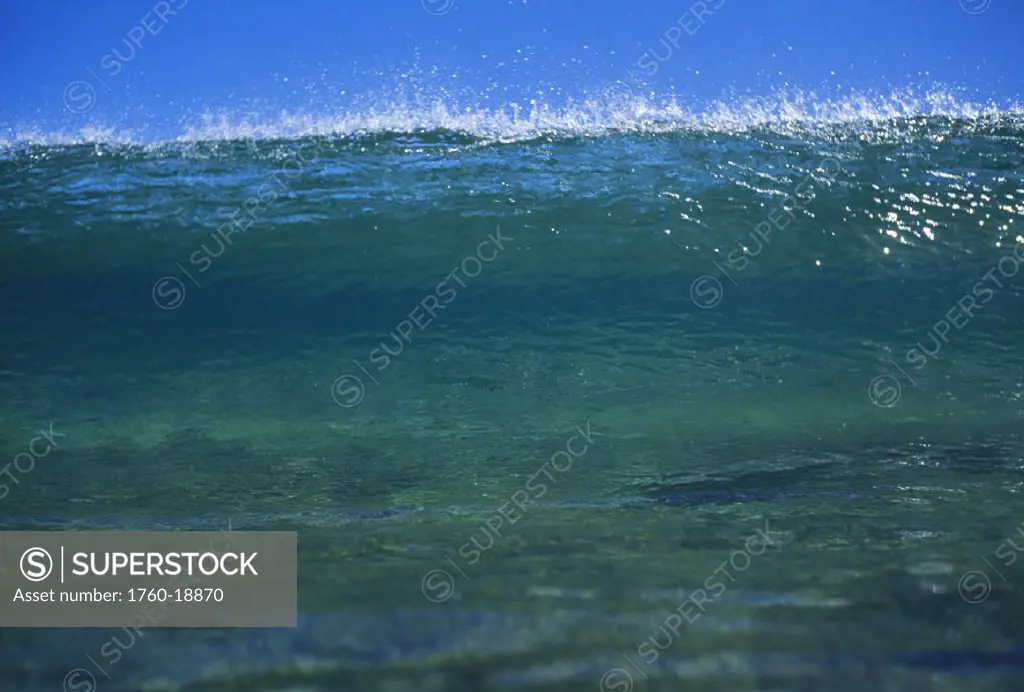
[890, 222]
[736, 299]
[891, 189]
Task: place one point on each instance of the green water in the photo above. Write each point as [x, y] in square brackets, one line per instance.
[574, 476]
[874, 514]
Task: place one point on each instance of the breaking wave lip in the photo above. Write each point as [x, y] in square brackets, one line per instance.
[613, 111]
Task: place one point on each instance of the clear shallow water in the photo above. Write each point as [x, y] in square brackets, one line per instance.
[412, 325]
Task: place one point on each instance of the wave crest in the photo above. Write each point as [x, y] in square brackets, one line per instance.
[615, 109]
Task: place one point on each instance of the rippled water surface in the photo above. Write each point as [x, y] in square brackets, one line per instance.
[667, 406]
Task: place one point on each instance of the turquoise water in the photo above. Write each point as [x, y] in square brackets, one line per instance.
[666, 403]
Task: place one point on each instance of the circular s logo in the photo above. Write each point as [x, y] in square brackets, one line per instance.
[617, 95]
[616, 680]
[36, 564]
[975, 6]
[884, 391]
[437, 585]
[437, 7]
[79, 96]
[168, 293]
[79, 679]
[974, 587]
[348, 391]
[706, 292]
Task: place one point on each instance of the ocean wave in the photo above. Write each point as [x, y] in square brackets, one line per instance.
[614, 110]
[864, 188]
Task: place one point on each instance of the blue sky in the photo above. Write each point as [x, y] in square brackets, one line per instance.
[178, 58]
